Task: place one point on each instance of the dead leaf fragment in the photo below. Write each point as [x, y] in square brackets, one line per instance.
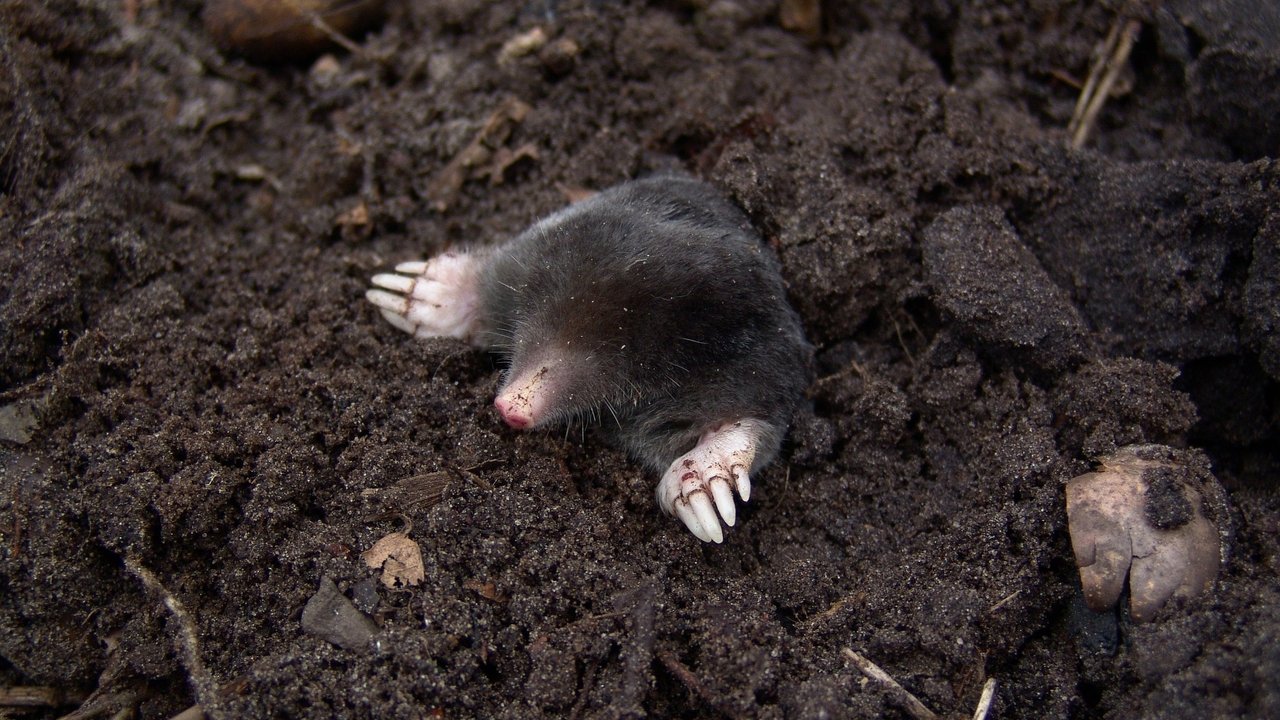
[504, 158]
[477, 159]
[400, 559]
[357, 216]
[485, 589]
[414, 493]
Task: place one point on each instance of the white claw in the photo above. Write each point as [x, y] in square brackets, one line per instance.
[416, 267]
[435, 298]
[690, 519]
[701, 505]
[385, 300]
[724, 500]
[397, 321]
[399, 283]
[701, 483]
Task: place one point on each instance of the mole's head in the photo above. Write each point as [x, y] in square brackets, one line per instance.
[579, 354]
[553, 381]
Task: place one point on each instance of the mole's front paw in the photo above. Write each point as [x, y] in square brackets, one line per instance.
[435, 298]
[702, 481]
[1142, 515]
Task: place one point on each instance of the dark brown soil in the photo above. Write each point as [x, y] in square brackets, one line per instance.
[186, 241]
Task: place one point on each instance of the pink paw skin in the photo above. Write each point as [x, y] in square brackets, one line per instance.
[435, 298]
[701, 482]
[1146, 516]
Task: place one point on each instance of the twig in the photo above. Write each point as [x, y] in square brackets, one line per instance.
[683, 674]
[901, 342]
[896, 692]
[588, 682]
[639, 603]
[37, 696]
[851, 368]
[834, 608]
[1004, 601]
[118, 691]
[188, 638]
[1111, 60]
[318, 23]
[195, 712]
[688, 679]
[984, 702]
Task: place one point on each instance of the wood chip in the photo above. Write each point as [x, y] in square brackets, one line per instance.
[485, 589]
[356, 217]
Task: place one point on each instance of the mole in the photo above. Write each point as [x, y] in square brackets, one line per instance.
[652, 307]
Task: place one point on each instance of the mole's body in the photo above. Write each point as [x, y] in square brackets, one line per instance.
[653, 306]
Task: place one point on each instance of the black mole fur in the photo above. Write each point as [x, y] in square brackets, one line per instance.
[668, 309]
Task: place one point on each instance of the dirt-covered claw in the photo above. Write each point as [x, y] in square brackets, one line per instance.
[743, 481]
[691, 521]
[698, 487]
[706, 515]
[433, 298]
[723, 495]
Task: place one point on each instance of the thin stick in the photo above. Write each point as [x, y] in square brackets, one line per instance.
[188, 638]
[319, 23]
[1004, 601]
[195, 712]
[1091, 82]
[37, 696]
[1102, 76]
[688, 679]
[984, 702]
[896, 692]
[903, 343]
[684, 675]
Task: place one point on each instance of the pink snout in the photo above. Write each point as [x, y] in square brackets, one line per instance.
[514, 411]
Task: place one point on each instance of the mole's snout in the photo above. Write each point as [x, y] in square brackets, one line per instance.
[527, 397]
[514, 413]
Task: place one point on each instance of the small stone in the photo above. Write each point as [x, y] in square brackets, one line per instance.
[330, 616]
[1114, 538]
[521, 45]
[19, 419]
[559, 57]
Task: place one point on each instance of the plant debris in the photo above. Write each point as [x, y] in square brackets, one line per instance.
[399, 558]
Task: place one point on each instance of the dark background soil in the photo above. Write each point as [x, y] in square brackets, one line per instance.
[187, 237]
